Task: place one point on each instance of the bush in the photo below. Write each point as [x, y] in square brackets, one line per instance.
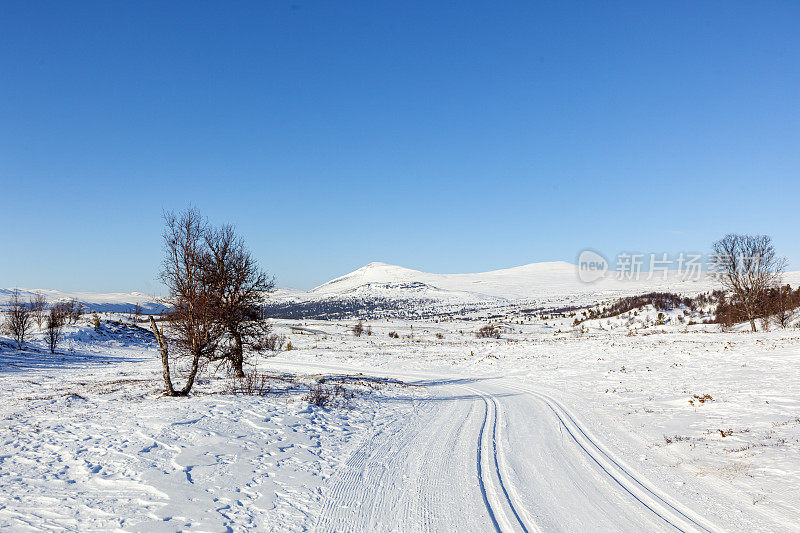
[54, 323]
[252, 384]
[358, 329]
[488, 331]
[289, 346]
[323, 397]
[318, 395]
[274, 342]
[18, 319]
[393, 335]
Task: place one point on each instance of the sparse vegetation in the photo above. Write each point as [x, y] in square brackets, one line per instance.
[274, 342]
[318, 395]
[252, 384]
[748, 266]
[38, 304]
[488, 331]
[18, 319]
[54, 323]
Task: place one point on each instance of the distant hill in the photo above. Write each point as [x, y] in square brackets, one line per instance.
[381, 290]
[113, 302]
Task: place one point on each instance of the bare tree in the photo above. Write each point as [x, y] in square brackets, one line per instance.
[784, 308]
[18, 318]
[38, 304]
[63, 311]
[77, 311]
[241, 286]
[358, 329]
[748, 266]
[193, 317]
[54, 323]
[71, 310]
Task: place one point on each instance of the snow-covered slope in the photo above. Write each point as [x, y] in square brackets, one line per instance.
[534, 280]
[381, 289]
[115, 302]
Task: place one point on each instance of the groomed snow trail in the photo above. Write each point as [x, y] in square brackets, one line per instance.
[492, 455]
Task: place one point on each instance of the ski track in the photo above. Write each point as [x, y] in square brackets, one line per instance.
[673, 513]
[395, 480]
[500, 503]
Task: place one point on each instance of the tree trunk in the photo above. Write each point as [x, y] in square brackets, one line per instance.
[162, 344]
[237, 361]
[192, 374]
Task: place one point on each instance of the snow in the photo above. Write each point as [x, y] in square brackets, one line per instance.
[619, 424]
[92, 301]
[549, 284]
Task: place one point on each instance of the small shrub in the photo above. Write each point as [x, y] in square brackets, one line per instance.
[440, 335]
[358, 329]
[700, 399]
[340, 391]
[488, 332]
[252, 384]
[289, 346]
[96, 322]
[318, 395]
[274, 342]
[393, 335]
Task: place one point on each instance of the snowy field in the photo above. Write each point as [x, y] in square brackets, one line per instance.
[649, 428]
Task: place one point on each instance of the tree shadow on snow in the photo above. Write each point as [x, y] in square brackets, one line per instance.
[32, 358]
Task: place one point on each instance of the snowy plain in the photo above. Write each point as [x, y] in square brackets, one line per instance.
[536, 430]
[632, 423]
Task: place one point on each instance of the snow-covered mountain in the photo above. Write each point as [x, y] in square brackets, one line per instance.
[381, 289]
[535, 280]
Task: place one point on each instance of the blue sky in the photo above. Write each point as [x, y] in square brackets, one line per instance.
[449, 137]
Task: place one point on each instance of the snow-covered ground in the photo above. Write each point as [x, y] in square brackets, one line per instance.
[621, 428]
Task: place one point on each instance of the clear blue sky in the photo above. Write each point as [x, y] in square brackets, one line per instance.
[445, 136]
